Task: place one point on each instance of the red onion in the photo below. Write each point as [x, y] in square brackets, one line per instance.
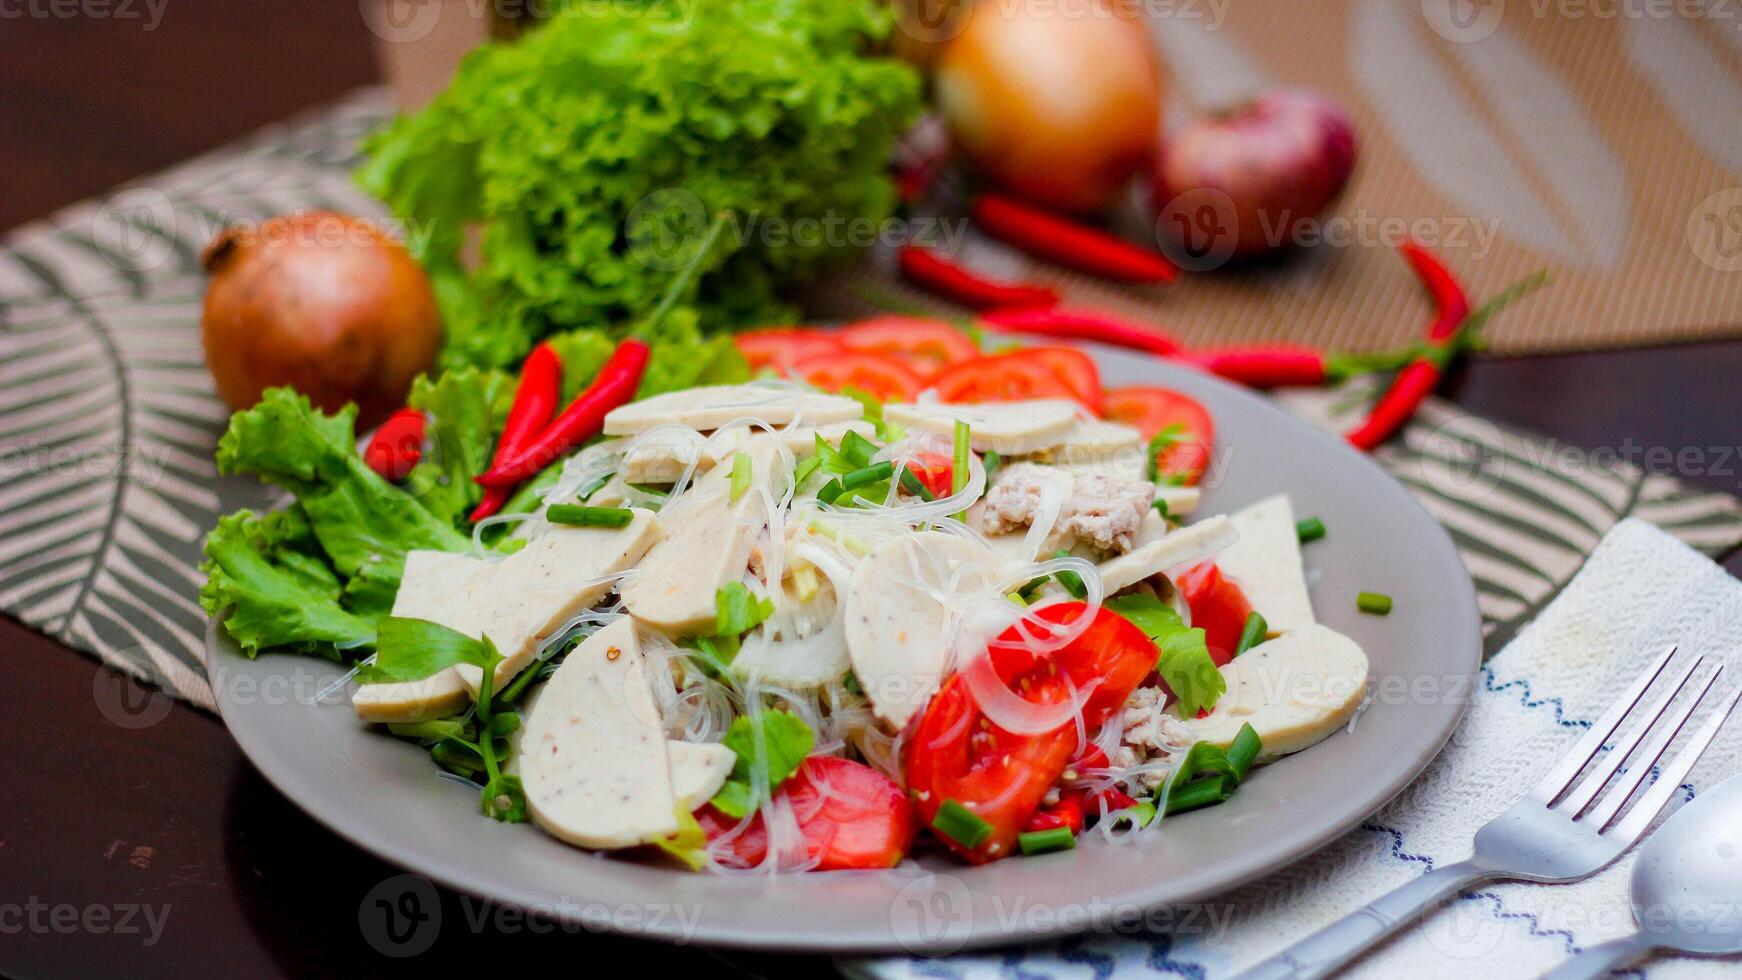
[1247, 180]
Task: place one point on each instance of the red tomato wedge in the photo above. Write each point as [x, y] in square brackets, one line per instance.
[933, 472]
[1000, 378]
[849, 814]
[1151, 410]
[778, 347]
[1075, 369]
[955, 752]
[923, 345]
[885, 378]
[1218, 606]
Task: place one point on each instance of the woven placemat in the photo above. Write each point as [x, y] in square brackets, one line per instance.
[108, 422]
[1601, 142]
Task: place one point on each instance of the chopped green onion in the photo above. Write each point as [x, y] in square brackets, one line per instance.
[740, 476]
[868, 474]
[1139, 816]
[1243, 750]
[1377, 603]
[1208, 791]
[504, 724]
[830, 491]
[1310, 529]
[1046, 841]
[593, 487]
[832, 458]
[1016, 597]
[1252, 633]
[992, 463]
[912, 484]
[1160, 508]
[575, 515]
[961, 825]
[1072, 582]
[857, 449]
[805, 468]
[959, 454]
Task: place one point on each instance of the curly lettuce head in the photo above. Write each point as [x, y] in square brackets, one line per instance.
[590, 156]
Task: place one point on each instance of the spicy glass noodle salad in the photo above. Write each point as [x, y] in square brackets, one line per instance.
[794, 624]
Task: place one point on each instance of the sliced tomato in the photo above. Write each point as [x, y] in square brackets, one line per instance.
[779, 347]
[999, 378]
[923, 345]
[1217, 605]
[1075, 369]
[956, 753]
[850, 816]
[884, 378]
[934, 473]
[1153, 410]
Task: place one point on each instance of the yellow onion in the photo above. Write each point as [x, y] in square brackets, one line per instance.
[326, 303]
[1056, 101]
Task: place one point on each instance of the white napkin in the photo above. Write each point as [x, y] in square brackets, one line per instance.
[1639, 591]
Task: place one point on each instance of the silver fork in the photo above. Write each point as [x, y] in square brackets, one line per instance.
[1564, 829]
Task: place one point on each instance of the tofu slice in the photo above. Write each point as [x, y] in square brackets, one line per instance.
[698, 770]
[899, 633]
[1186, 544]
[1011, 428]
[1094, 443]
[1294, 690]
[662, 461]
[707, 408]
[1265, 563]
[436, 586]
[594, 761]
[707, 544]
[531, 593]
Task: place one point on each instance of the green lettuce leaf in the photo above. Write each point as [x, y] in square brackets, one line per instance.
[465, 408]
[266, 579]
[785, 741]
[1182, 657]
[588, 155]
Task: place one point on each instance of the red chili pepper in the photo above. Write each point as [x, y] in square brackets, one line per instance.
[1267, 367]
[1069, 243]
[397, 445]
[953, 282]
[585, 416]
[534, 403]
[1419, 379]
[1079, 324]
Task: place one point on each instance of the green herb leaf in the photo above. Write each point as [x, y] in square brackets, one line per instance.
[780, 739]
[412, 649]
[1184, 659]
[737, 610]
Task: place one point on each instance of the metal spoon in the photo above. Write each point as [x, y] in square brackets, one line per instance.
[1687, 888]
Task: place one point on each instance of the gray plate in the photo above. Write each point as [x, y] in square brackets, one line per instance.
[384, 795]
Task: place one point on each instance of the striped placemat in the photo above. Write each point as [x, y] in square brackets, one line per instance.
[108, 422]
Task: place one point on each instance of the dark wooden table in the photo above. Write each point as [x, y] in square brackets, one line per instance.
[101, 813]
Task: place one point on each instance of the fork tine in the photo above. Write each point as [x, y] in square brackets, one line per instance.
[1589, 788]
[1670, 778]
[1551, 786]
[1628, 782]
